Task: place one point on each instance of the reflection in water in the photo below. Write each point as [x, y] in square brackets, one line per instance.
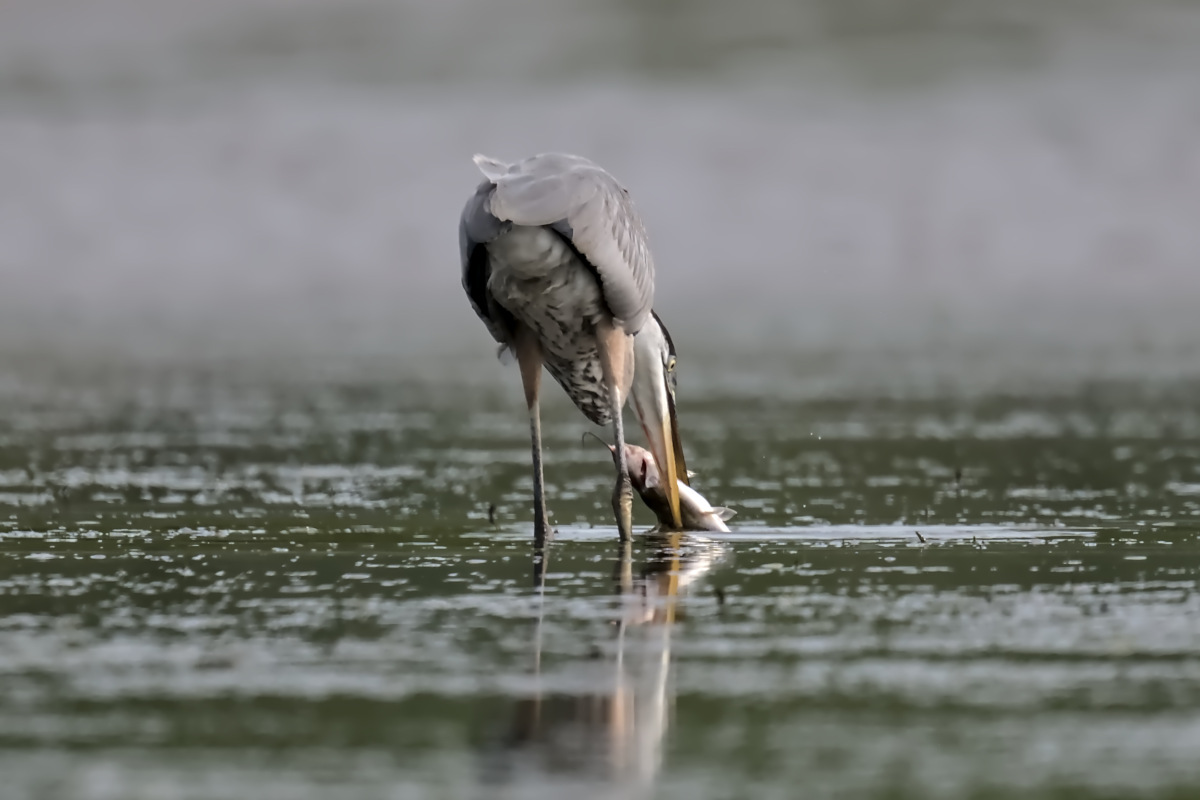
[609, 740]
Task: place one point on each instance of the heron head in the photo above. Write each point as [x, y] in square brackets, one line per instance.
[653, 395]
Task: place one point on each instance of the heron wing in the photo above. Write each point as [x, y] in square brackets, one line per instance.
[590, 210]
[477, 227]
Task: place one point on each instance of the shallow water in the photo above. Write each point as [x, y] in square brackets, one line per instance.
[219, 588]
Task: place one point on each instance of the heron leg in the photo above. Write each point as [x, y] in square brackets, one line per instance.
[623, 491]
[529, 357]
[616, 360]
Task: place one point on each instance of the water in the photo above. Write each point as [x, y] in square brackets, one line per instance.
[222, 588]
[264, 490]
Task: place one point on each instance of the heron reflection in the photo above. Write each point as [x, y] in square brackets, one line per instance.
[608, 740]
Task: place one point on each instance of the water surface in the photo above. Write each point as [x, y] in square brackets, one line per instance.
[222, 589]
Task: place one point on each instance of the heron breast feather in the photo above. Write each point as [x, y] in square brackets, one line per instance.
[536, 274]
[529, 253]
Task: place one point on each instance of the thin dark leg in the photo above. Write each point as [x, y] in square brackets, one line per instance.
[542, 532]
[623, 571]
[615, 349]
[529, 356]
[623, 491]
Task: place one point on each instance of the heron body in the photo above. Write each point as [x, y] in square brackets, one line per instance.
[537, 278]
[556, 264]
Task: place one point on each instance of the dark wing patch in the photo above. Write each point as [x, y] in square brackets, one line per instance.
[665, 332]
[476, 228]
[499, 321]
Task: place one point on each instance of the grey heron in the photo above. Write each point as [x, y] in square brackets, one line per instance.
[556, 263]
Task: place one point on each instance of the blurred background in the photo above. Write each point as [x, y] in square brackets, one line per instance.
[851, 189]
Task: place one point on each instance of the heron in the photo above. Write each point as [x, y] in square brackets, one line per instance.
[556, 263]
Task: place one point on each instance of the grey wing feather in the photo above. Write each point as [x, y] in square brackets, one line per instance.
[592, 210]
[477, 227]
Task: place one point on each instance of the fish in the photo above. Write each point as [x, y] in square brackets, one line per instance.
[696, 513]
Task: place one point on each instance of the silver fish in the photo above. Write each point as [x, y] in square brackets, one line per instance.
[696, 512]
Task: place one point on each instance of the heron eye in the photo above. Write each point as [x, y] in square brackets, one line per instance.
[670, 363]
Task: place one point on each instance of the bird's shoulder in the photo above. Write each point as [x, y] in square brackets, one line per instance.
[587, 206]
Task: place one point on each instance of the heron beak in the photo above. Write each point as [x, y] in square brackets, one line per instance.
[681, 472]
[654, 403]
